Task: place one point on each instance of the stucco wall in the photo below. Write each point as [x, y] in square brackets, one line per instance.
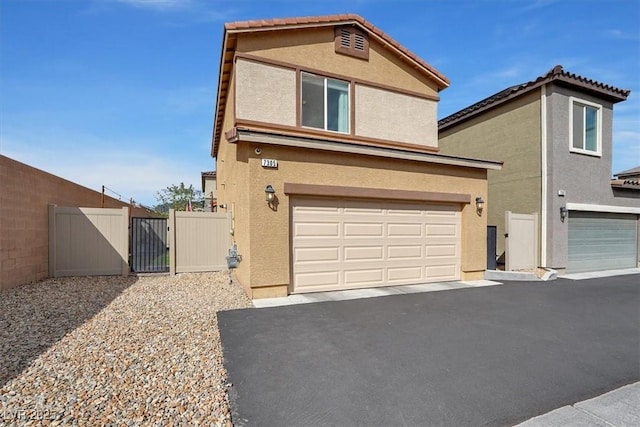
[584, 178]
[511, 133]
[25, 195]
[232, 176]
[267, 253]
[265, 93]
[384, 114]
[314, 48]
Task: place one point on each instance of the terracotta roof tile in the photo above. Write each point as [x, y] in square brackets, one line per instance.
[556, 74]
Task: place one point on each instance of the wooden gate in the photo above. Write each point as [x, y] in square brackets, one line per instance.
[521, 241]
[88, 241]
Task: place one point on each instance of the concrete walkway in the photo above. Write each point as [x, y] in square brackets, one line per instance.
[618, 408]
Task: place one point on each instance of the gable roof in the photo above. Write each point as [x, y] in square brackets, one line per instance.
[556, 75]
[232, 29]
[633, 172]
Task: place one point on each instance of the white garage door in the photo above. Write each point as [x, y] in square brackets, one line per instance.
[601, 241]
[347, 244]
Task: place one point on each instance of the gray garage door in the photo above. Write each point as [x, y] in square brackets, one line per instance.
[601, 241]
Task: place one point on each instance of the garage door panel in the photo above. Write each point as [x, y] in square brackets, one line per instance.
[352, 229]
[378, 244]
[373, 276]
[315, 254]
[362, 211]
[404, 252]
[363, 253]
[317, 229]
[405, 212]
[601, 241]
[405, 230]
[324, 279]
[404, 274]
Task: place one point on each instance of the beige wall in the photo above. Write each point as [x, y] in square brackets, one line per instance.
[517, 187]
[265, 93]
[266, 255]
[394, 116]
[314, 48]
[25, 193]
[233, 175]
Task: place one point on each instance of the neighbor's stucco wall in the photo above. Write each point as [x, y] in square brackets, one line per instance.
[584, 178]
[265, 93]
[511, 133]
[25, 195]
[394, 116]
[267, 253]
[315, 49]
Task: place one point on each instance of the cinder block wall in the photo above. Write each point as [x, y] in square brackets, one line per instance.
[25, 194]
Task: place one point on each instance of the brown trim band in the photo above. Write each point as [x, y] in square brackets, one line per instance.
[373, 193]
[332, 136]
[283, 64]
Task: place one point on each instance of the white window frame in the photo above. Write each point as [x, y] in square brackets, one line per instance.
[326, 116]
[598, 152]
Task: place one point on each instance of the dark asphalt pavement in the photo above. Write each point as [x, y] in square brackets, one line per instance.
[493, 356]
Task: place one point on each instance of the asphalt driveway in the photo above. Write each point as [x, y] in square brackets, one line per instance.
[469, 357]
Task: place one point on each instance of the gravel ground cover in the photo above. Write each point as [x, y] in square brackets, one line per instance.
[115, 351]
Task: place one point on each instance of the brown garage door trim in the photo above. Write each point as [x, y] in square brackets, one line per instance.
[373, 193]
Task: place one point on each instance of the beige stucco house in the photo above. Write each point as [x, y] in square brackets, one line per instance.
[555, 136]
[335, 123]
[209, 190]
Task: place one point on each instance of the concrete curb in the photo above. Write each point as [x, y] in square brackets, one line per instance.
[522, 276]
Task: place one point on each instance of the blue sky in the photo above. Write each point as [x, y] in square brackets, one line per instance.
[122, 92]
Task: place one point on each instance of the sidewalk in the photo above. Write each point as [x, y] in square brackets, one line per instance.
[618, 408]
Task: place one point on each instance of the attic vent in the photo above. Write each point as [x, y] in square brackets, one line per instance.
[359, 42]
[351, 41]
[345, 38]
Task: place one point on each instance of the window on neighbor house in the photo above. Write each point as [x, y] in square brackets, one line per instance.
[324, 103]
[586, 127]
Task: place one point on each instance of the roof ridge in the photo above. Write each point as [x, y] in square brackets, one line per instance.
[557, 73]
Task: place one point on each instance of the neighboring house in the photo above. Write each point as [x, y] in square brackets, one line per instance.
[627, 183]
[209, 191]
[554, 135]
[334, 123]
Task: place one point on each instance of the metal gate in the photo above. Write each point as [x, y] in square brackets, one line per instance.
[149, 245]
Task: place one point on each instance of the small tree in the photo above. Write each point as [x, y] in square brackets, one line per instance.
[176, 197]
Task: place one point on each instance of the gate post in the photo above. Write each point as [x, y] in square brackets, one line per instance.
[172, 241]
[124, 249]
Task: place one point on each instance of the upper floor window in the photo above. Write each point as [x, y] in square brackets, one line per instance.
[586, 127]
[324, 103]
[350, 41]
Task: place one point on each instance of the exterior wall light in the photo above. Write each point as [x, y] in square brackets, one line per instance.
[564, 213]
[269, 193]
[479, 205]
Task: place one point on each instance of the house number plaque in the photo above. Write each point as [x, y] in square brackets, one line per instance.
[269, 163]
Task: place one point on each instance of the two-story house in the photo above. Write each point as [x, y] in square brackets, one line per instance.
[327, 160]
[554, 135]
